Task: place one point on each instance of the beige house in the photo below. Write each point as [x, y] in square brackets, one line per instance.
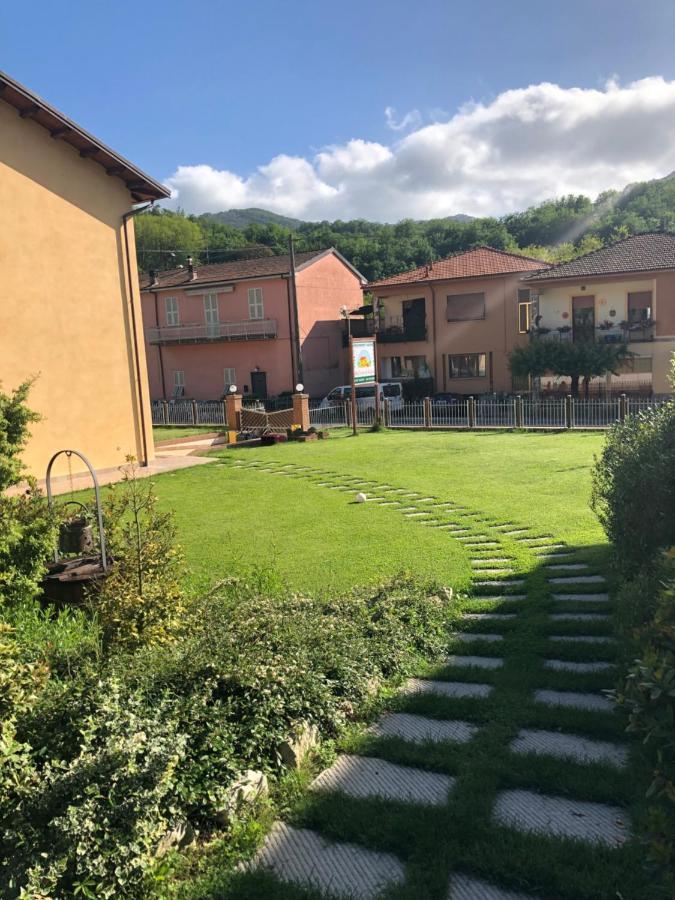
[70, 313]
[621, 293]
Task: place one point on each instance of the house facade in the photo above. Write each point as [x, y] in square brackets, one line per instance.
[454, 321]
[70, 314]
[621, 293]
[250, 323]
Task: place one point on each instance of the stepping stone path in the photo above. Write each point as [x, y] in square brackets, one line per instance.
[559, 700]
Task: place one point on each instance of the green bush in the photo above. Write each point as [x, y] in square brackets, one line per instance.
[155, 737]
[633, 491]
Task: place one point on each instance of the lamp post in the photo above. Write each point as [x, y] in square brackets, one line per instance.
[344, 312]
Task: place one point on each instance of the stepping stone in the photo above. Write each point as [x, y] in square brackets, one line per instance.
[478, 662]
[502, 597]
[578, 579]
[595, 823]
[412, 515]
[460, 531]
[491, 559]
[390, 503]
[447, 526]
[581, 638]
[419, 729]
[574, 700]
[517, 531]
[581, 668]
[567, 567]
[474, 537]
[482, 571]
[426, 500]
[583, 598]
[446, 688]
[484, 617]
[364, 777]
[470, 636]
[579, 617]
[513, 582]
[569, 746]
[343, 870]
[464, 887]
[407, 509]
[553, 554]
[487, 546]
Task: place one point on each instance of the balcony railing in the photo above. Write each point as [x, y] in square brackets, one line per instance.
[617, 334]
[248, 330]
[396, 329]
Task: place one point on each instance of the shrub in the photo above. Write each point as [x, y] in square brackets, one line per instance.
[633, 491]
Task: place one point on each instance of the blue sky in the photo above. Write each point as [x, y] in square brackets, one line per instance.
[230, 87]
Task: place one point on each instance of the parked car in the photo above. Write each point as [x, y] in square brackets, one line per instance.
[365, 395]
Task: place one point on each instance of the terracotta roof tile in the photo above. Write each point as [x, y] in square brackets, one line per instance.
[474, 263]
[263, 266]
[644, 252]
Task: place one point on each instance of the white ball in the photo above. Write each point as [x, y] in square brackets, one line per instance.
[360, 498]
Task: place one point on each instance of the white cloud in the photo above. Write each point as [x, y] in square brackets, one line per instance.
[488, 158]
[411, 119]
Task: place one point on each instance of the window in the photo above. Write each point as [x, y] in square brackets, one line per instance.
[524, 310]
[178, 383]
[255, 303]
[211, 316]
[416, 367]
[640, 307]
[171, 309]
[391, 367]
[229, 378]
[636, 365]
[467, 365]
[461, 307]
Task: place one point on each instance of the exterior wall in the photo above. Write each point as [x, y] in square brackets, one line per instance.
[495, 335]
[322, 289]
[611, 295]
[203, 363]
[65, 302]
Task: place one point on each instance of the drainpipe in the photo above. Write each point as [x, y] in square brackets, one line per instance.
[134, 335]
[296, 319]
[159, 346]
[294, 374]
[433, 320]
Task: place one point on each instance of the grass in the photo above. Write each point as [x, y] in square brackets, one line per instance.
[171, 432]
[320, 541]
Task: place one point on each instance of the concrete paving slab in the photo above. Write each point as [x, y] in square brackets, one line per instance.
[574, 700]
[501, 598]
[490, 616]
[566, 567]
[365, 776]
[488, 560]
[471, 636]
[465, 887]
[446, 688]
[578, 579]
[479, 570]
[582, 598]
[420, 729]
[594, 823]
[477, 662]
[303, 857]
[569, 746]
[581, 668]
[581, 638]
[579, 617]
[504, 583]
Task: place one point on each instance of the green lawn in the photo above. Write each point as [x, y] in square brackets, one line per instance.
[170, 432]
[319, 540]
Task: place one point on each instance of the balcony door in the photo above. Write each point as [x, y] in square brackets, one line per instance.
[211, 316]
[583, 319]
[414, 319]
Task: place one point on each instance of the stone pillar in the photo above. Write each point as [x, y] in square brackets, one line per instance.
[233, 411]
[301, 411]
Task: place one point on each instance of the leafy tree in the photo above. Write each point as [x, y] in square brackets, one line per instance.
[584, 359]
[165, 239]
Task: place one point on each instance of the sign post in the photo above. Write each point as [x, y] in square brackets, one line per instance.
[363, 366]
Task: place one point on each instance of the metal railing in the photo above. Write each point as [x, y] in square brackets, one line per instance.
[336, 416]
[247, 330]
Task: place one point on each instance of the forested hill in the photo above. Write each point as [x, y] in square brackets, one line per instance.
[555, 230]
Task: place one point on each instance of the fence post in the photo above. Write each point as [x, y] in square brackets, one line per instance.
[471, 412]
[165, 411]
[386, 412]
[427, 412]
[195, 416]
[568, 411]
[348, 415]
[623, 407]
[233, 415]
[519, 411]
[224, 412]
[301, 411]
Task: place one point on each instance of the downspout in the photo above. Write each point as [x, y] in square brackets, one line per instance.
[294, 374]
[296, 318]
[159, 346]
[433, 320]
[137, 358]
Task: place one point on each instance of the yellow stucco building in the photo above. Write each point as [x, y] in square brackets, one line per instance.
[69, 300]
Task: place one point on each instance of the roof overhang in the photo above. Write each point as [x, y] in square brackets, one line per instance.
[634, 275]
[29, 106]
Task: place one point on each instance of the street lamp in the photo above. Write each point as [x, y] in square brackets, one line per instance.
[299, 388]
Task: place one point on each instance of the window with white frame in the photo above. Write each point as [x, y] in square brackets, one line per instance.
[178, 383]
[524, 310]
[255, 303]
[211, 317]
[171, 310]
[229, 378]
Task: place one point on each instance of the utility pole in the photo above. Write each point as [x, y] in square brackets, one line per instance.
[299, 379]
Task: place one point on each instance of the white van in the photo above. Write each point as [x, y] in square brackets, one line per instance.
[365, 395]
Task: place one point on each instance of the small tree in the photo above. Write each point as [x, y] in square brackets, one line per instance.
[584, 359]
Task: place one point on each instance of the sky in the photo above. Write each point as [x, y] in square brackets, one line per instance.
[377, 109]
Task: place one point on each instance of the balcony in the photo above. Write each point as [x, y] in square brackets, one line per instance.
[395, 329]
[248, 330]
[623, 332]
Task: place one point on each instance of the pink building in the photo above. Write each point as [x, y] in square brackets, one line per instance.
[207, 327]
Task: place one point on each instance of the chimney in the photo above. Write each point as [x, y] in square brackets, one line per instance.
[153, 278]
[191, 269]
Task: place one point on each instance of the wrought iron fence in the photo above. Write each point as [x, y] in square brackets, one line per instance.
[335, 416]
